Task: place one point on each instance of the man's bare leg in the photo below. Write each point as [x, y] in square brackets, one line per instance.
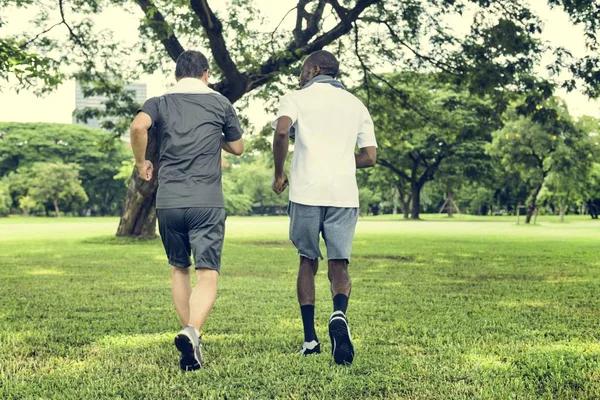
[306, 281]
[181, 291]
[306, 299]
[339, 331]
[199, 306]
[340, 284]
[203, 297]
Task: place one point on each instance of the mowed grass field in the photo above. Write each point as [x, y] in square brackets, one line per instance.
[470, 308]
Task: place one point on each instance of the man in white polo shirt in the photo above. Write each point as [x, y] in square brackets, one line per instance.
[327, 123]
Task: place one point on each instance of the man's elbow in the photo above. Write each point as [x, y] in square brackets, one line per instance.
[238, 152]
[372, 160]
[137, 130]
[237, 149]
[282, 134]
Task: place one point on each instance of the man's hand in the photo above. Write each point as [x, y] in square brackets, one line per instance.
[145, 170]
[280, 183]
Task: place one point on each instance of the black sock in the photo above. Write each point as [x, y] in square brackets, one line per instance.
[308, 321]
[340, 302]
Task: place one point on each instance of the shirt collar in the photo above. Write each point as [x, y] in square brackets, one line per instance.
[190, 86]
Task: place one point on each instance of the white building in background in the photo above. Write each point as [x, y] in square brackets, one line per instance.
[82, 102]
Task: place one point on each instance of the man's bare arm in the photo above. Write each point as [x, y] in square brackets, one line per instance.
[236, 148]
[281, 143]
[139, 136]
[367, 157]
[139, 141]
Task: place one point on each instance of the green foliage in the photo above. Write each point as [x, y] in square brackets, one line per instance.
[5, 198]
[124, 173]
[500, 51]
[57, 184]
[475, 308]
[437, 121]
[367, 199]
[247, 185]
[31, 70]
[26, 204]
[236, 203]
[555, 152]
[98, 154]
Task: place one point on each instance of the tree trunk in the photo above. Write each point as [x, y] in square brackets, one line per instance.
[404, 202]
[415, 188]
[405, 207]
[450, 206]
[532, 202]
[394, 201]
[139, 215]
[562, 213]
[56, 210]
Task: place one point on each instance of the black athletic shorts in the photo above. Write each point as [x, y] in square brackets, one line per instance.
[193, 230]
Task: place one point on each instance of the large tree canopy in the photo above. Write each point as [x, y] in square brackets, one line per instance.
[496, 55]
[443, 121]
[500, 49]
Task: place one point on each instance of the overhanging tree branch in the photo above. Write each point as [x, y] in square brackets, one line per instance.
[339, 9]
[312, 20]
[449, 69]
[214, 31]
[363, 66]
[278, 25]
[261, 75]
[161, 28]
[72, 34]
[27, 43]
[391, 166]
[300, 15]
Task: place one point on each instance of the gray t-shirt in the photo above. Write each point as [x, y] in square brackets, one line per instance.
[189, 129]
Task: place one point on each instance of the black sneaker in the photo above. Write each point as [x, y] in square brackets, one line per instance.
[309, 348]
[189, 345]
[341, 342]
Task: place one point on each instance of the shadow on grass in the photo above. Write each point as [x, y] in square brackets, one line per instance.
[383, 257]
[269, 243]
[119, 241]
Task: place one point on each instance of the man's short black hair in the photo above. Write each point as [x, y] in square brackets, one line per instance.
[191, 64]
[326, 61]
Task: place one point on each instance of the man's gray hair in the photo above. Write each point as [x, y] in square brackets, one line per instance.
[191, 64]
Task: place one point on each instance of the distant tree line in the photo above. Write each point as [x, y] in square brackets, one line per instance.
[453, 152]
[54, 169]
[442, 150]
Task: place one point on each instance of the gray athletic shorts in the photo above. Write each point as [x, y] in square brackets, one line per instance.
[193, 230]
[336, 224]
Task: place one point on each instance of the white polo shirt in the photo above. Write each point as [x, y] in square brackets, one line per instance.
[329, 123]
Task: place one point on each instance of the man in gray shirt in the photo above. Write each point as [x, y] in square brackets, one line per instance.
[193, 123]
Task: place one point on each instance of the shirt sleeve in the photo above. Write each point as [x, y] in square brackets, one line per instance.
[232, 129]
[366, 132]
[287, 108]
[150, 107]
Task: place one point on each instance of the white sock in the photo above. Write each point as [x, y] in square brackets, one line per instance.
[310, 345]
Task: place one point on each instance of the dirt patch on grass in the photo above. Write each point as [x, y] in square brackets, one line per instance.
[270, 243]
[119, 241]
[504, 277]
[380, 257]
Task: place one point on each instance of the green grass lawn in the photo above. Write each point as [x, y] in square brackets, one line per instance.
[440, 309]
